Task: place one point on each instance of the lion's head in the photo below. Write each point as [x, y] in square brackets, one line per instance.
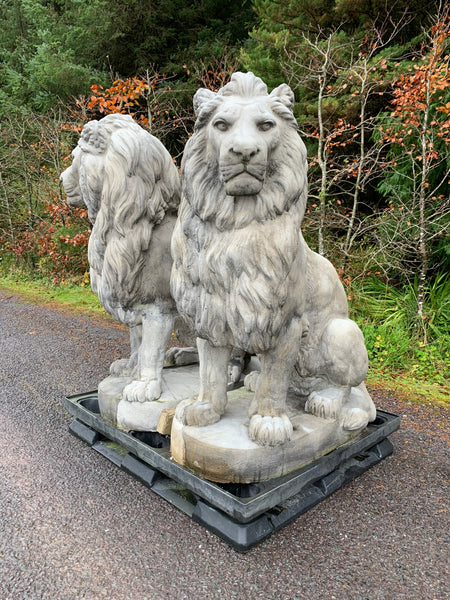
[83, 180]
[127, 180]
[245, 160]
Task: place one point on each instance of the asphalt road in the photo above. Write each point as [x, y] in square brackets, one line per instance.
[73, 526]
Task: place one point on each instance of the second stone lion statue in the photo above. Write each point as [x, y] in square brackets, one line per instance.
[243, 275]
[130, 185]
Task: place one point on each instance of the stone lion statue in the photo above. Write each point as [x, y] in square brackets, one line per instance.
[130, 186]
[243, 275]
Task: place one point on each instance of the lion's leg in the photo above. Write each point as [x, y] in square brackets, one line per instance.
[186, 355]
[124, 367]
[210, 404]
[135, 339]
[157, 326]
[342, 355]
[269, 423]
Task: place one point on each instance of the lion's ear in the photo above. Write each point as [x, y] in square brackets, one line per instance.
[285, 95]
[201, 97]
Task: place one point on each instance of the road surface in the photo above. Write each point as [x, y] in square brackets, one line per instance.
[73, 526]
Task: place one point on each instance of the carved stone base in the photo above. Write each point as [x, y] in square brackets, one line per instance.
[178, 383]
[110, 392]
[223, 452]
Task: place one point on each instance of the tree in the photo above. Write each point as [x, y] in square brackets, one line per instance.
[414, 231]
[282, 23]
[152, 102]
[129, 36]
[339, 81]
[38, 67]
[38, 230]
[313, 64]
[52, 50]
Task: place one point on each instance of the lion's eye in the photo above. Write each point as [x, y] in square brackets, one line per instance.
[221, 125]
[266, 125]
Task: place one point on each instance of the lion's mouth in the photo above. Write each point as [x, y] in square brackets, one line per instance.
[229, 172]
[242, 179]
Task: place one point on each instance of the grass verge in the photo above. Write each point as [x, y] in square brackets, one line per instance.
[411, 389]
[74, 298]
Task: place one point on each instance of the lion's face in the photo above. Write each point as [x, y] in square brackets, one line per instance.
[70, 179]
[82, 181]
[243, 134]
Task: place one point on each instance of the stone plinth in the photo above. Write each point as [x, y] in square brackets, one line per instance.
[223, 452]
[178, 383]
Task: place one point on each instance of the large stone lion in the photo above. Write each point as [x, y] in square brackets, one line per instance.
[131, 188]
[243, 275]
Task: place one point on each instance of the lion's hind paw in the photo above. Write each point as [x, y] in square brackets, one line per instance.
[325, 406]
[270, 431]
[251, 380]
[354, 418]
[331, 404]
[180, 356]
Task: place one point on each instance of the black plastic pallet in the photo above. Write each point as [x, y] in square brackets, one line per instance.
[241, 514]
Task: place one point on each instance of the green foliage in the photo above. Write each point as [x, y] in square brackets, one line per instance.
[415, 228]
[396, 339]
[281, 25]
[38, 67]
[57, 50]
[397, 306]
[54, 249]
[39, 232]
[53, 74]
[388, 347]
[391, 350]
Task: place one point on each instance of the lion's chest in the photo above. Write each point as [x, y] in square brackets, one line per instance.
[233, 285]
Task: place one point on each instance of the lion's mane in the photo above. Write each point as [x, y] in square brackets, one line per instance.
[139, 185]
[233, 260]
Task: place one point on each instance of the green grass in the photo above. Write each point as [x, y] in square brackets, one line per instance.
[75, 298]
[407, 355]
[409, 388]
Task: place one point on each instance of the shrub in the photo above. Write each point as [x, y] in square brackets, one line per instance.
[395, 339]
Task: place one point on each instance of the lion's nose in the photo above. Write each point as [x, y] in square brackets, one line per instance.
[245, 152]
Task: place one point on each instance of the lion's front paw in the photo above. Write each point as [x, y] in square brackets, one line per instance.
[196, 412]
[270, 431]
[324, 406]
[142, 391]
